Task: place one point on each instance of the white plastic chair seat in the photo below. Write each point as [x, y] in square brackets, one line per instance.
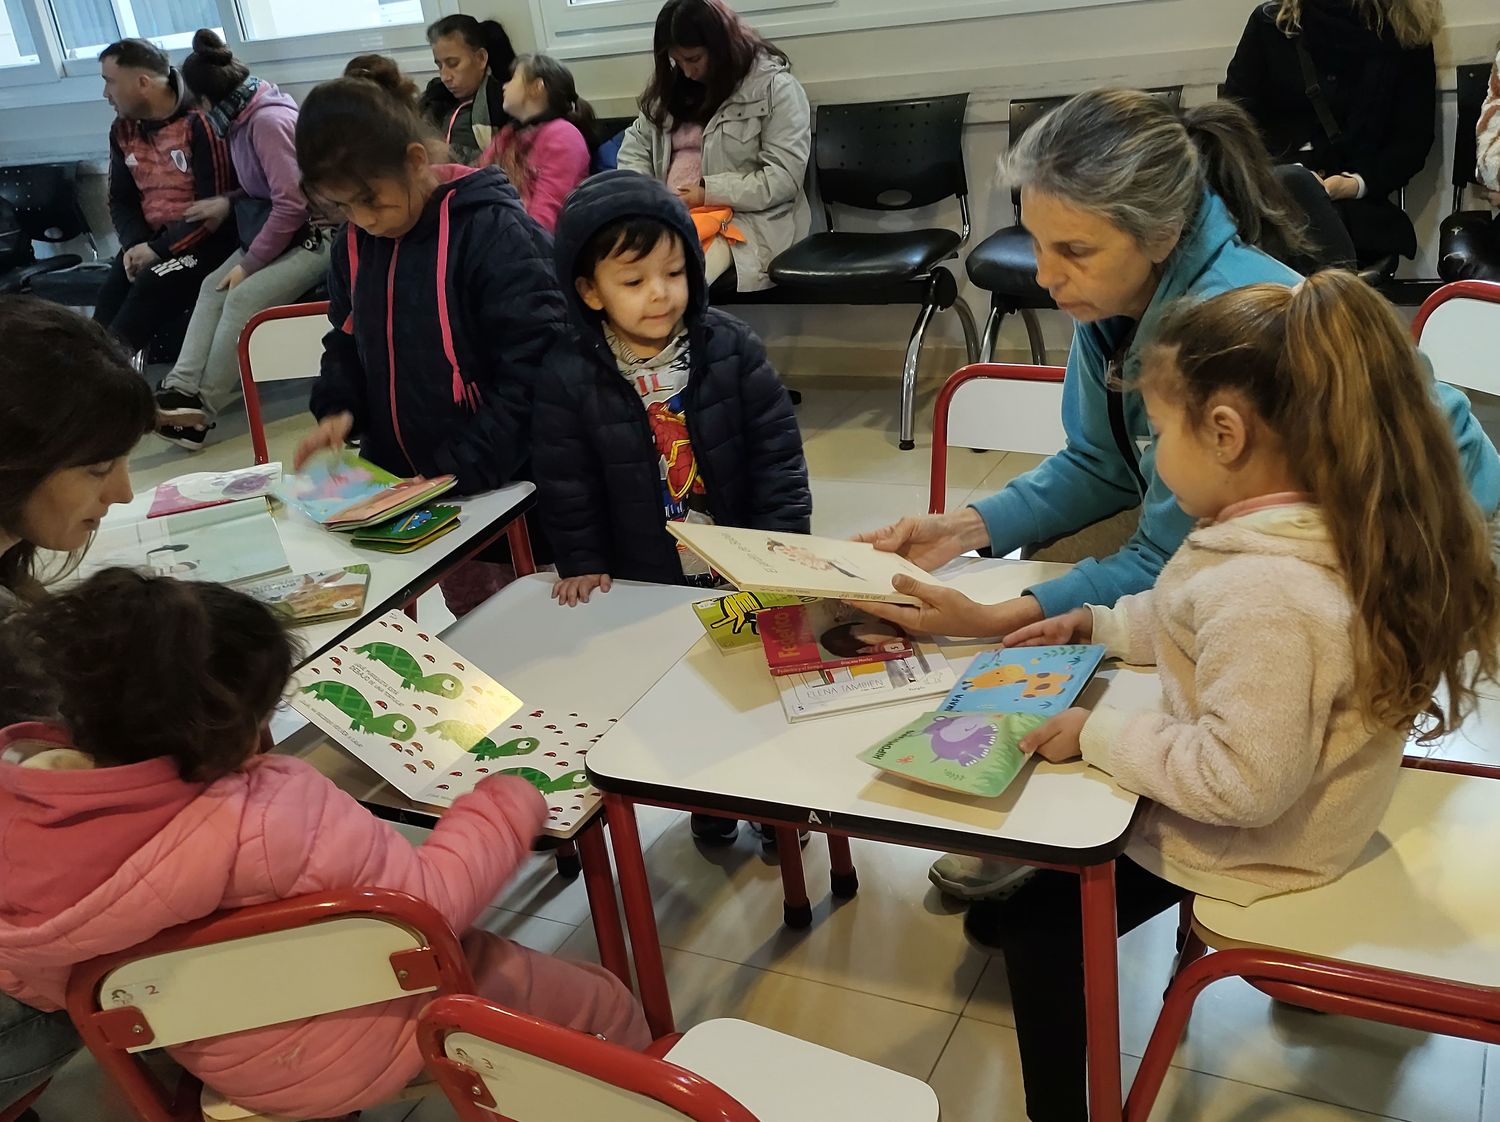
[216, 1108]
[780, 1078]
[1008, 416]
[1421, 900]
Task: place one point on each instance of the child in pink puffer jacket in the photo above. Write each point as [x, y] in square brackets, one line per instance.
[145, 801]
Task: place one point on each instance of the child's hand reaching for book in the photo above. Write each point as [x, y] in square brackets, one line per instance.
[331, 433]
[1059, 740]
[572, 591]
[1076, 626]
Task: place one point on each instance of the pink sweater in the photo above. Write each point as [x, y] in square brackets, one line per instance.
[97, 861]
[1265, 777]
[545, 162]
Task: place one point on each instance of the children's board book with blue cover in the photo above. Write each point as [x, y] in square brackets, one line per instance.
[343, 492]
[432, 724]
[975, 753]
[1043, 680]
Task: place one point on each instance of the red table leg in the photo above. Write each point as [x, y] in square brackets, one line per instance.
[843, 878]
[599, 883]
[640, 918]
[520, 547]
[1101, 991]
[796, 912]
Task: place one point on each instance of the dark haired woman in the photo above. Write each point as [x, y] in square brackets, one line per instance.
[465, 102]
[63, 464]
[1367, 129]
[724, 123]
[281, 253]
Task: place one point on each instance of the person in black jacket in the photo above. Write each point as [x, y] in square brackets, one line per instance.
[662, 408]
[443, 309]
[1377, 80]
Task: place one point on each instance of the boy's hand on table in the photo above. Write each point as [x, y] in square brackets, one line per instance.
[571, 591]
[330, 435]
[1076, 626]
[1058, 741]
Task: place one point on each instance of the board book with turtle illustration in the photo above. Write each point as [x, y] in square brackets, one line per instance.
[432, 725]
[1043, 680]
[974, 753]
[799, 564]
[343, 492]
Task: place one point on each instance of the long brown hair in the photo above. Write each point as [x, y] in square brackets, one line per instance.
[68, 397]
[732, 47]
[1415, 23]
[1330, 369]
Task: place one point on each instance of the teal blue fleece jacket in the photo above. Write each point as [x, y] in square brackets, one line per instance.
[1088, 480]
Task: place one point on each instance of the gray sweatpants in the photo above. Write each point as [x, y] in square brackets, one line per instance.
[208, 364]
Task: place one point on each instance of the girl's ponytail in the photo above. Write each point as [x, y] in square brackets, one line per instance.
[1239, 170]
[563, 101]
[1332, 372]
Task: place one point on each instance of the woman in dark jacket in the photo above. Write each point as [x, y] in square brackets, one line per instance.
[1372, 61]
[464, 102]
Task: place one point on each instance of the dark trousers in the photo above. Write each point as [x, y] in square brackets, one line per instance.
[160, 297]
[1040, 931]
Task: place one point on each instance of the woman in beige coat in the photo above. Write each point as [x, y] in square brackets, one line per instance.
[724, 123]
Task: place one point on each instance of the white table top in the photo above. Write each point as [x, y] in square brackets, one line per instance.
[610, 651]
[712, 734]
[309, 547]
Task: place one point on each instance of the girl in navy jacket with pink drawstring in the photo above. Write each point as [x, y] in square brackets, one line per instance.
[442, 302]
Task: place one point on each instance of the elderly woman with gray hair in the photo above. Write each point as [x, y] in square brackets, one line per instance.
[1133, 205]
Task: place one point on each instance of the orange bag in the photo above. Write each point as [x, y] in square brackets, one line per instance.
[716, 222]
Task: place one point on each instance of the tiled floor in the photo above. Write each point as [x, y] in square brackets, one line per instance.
[889, 976]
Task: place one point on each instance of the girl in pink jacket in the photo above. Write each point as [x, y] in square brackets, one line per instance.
[546, 152]
[144, 799]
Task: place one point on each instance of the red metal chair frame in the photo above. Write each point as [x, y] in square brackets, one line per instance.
[23, 1104]
[647, 1074]
[937, 495]
[107, 1033]
[247, 381]
[1352, 989]
[1486, 291]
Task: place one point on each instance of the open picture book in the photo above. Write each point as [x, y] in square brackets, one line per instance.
[343, 492]
[228, 544]
[431, 725]
[213, 488]
[799, 564]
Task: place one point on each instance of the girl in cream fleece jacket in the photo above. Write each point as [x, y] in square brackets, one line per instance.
[1337, 581]
[145, 803]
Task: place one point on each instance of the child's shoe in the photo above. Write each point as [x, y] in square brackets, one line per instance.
[713, 830]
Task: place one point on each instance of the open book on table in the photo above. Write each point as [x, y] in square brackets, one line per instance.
[228, 544]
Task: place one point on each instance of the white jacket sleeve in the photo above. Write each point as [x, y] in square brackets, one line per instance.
[638, 149]
[786, 142]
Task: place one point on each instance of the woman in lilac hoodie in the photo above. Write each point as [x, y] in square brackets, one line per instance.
[281, 254]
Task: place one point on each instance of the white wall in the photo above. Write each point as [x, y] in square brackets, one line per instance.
[1156, 43]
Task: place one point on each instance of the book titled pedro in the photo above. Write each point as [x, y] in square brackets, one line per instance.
[827, 635]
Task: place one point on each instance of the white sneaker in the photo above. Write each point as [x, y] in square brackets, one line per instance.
[977, 878]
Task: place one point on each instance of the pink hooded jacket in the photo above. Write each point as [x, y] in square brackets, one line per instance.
[96, 861]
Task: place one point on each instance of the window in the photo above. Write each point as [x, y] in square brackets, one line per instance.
[86, 27]
[17, 46]
[280, 19]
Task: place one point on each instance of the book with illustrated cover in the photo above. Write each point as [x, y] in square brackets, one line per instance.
[826, 635]
[974, 753]
[306, 598]
[799, 564]
[731, 621]
[1043, 680]
[228, 544]
[343, 492]
[849, 688]
[205, 489]
[432, 725]
[409, 531]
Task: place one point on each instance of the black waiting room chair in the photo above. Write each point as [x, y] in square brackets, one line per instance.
[1469, 247]
[886, 157]
[49, 211]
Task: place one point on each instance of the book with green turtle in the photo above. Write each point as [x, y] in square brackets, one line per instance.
[432, 725]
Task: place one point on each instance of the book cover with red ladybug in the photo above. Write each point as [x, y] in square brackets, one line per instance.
[827, 635]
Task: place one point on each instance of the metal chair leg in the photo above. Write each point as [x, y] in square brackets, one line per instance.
[971, 336]
[991, 334]
[909, 378]
[1034, 337]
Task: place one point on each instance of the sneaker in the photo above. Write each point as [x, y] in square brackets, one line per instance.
[175, 408]
[184, 436]
[767, 835]
[977, 878]
[713, 830]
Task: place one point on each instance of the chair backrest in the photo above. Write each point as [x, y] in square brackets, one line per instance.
[279, 345]
[496, 1064]
[265, 965]
[995, 406]
[1473, 84]
[1458, 329]
[46, 200]
[891, 155]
